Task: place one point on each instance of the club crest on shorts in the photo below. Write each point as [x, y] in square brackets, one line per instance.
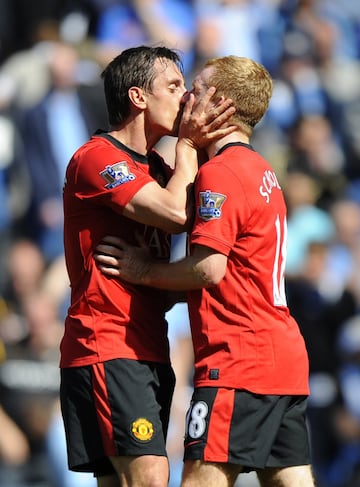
[210, 204]
[142, 429]
[117, 174]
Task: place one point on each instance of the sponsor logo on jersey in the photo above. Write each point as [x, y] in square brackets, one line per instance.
[142, 429]
[117, 174]
[210, 205]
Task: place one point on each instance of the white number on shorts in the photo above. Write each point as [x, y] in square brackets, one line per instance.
[196, 419]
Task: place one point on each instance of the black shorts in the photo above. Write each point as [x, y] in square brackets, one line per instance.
[115, 408]
[238, 427]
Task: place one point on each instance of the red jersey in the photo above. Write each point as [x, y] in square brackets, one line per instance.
[108, 318]
[243, 334]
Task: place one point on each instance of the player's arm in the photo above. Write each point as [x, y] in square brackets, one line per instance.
[170, 208]
[204, 268]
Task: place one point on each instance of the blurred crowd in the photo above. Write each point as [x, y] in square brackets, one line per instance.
[51, 100]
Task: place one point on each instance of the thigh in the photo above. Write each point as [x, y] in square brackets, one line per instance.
[142, 471]
[206, 474]
[297, 476]
[108, 481]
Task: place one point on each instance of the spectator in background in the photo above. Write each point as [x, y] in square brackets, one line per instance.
[29, 68]
[129, 23]
[25, 268]
[31, 327]
[14, 446]
[344, 471]
[320, 314]
[228, 27]
[52, 130]
[343, 263]
[307, 222]
[20, 21]
[29, 384]
[170, 22]
[315, 150]
[15, 190]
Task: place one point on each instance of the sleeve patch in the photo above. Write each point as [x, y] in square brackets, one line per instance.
[117, 174]
[210, 205]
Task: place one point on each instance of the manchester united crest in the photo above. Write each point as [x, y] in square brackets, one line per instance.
[142, 429]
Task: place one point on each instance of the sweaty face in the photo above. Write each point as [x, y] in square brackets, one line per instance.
[165, 101]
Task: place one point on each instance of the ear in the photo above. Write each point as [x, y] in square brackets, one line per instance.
[219, 100]
[137, 97]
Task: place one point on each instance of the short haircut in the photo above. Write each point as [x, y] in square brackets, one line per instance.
[247, 83]
[133, 67]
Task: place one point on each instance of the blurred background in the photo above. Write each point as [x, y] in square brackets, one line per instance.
[51, 100]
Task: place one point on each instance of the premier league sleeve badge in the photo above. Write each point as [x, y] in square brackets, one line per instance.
[116, 174]
[210, 204]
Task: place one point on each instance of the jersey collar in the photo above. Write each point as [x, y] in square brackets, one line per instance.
[134, 155]
[232, 144]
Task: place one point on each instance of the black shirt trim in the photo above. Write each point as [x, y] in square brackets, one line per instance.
[232, 144]
[134, 155]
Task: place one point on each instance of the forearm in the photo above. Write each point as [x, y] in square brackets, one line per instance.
[205, 268]
[183, 275]
[180, 185]
[169, 208]
[185, 170]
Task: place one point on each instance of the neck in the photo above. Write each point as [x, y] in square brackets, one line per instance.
[236, 136]
[133, 135]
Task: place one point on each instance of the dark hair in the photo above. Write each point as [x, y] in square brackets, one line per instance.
[133, 67]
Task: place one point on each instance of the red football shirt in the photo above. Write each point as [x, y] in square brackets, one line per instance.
[108, 318]
[243, 334]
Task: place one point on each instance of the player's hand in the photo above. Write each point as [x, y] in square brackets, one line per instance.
[203, 121]
[116, 258]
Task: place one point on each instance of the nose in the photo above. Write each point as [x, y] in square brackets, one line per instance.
[185, 97]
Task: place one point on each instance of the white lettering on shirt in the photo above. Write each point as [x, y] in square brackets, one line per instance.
[269, 182]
